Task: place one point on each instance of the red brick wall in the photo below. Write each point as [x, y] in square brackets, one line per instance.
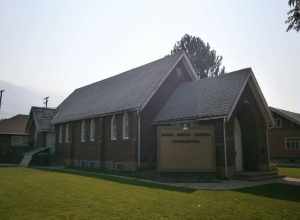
[277, 139]
[102, 151]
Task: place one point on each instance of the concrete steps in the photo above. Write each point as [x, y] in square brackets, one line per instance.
[258, 176]
[29, 155]
[26, 161]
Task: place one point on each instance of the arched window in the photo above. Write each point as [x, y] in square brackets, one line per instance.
[60, 134]
[278, 123]
[125, 125]
[67, 134]
[113, 128]
[82, 134]
[92, 130]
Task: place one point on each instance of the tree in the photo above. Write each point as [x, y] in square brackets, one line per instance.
[204, 59]
[293, 19]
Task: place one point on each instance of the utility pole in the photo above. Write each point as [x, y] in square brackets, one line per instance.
[46, 101]
[1, 92]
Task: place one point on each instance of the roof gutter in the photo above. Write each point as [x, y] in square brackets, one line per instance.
[94, 116]
[187, 120]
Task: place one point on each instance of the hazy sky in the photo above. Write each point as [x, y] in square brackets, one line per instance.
[57, 46]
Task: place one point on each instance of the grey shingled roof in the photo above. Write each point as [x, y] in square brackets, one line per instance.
[204, 98]
[128, 90]
[292, 116]
[15, 125]
[43, 117]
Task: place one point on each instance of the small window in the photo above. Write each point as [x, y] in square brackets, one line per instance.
[278, 123]
[92, 130]
[67, 134]
[113, 128]
[82, 131]
[292, 143]
[125, 126]
[60, 133]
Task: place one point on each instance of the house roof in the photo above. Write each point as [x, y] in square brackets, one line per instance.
[15, 125]
[42, 117]
[205, 98]
[126, 91]
[292, 116]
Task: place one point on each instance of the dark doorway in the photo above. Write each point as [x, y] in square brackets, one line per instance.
[249, 130]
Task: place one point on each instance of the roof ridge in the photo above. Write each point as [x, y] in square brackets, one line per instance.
[220, 77]
[145, 79]
[287, 114]
[280, 109]
[130, 70]
[286, 111]
[239, 70]
[39, 107]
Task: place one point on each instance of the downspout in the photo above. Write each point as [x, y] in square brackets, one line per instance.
[225, 148]
[139, 139]
[268, 147]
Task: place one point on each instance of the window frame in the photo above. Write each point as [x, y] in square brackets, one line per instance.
[276, 123]
[67, 133]
[60, 134]
[125, 121]
[92, 130]
[293, 140]
[113, 128]
[82, 131]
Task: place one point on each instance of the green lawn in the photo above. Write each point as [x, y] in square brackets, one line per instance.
[289, 171]
[36, 194]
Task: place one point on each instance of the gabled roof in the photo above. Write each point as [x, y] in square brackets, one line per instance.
[42, 118]
[126, 91]
[291, 116]
[208, 98]
[15, 125]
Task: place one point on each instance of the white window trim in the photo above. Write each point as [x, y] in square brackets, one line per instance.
[67, 134]
[92, 130]
[125, 120]
[286, 139]
[60, 134]
[113, 133]
[82, 131]
[280, 124]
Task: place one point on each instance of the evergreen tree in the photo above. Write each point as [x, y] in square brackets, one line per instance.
[293, 20]
[204, 59]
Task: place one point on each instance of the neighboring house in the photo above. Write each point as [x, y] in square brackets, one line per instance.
[284, 136]
[14, 141]
[161, 116]
[39, 127]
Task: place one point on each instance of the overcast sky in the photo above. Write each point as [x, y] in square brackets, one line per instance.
[57, 46]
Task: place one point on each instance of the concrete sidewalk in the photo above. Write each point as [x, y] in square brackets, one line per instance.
[237, 184]
[291, 181]
[225, 184]
[220, 185]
